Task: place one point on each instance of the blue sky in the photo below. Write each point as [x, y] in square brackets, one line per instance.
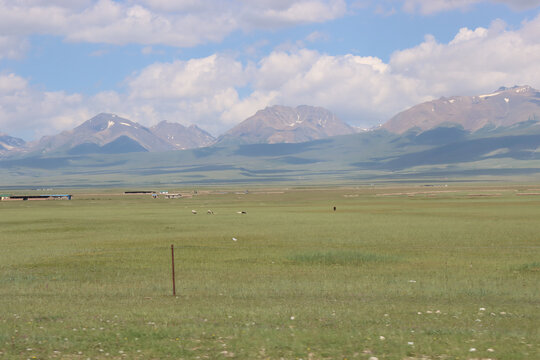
[214, 63]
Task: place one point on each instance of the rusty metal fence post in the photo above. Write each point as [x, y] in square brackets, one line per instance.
[173, 277]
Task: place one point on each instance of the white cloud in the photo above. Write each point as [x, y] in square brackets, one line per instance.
[149, 22]
[30, 113]
[465, 35]
[297, 12]
[10, 84]
[187, 79]
[435, 6]
[474, 61]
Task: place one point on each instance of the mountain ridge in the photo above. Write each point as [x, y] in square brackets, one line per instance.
[99, 130]
[504, 107]
[183, 137]
[101, 133]
[284, 124]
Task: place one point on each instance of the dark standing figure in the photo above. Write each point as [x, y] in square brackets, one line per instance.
[335, 208]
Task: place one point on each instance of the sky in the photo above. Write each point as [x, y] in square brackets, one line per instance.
[214, 63]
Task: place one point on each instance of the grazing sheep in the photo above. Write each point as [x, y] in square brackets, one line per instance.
[210, 212]
[194, 212]
[241, 212]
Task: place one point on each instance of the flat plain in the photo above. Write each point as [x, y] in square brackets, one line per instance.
[408, 272]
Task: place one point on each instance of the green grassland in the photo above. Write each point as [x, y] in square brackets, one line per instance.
[394, 273]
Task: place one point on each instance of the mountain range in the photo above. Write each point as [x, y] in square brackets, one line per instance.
[109, 133]
[462, 137]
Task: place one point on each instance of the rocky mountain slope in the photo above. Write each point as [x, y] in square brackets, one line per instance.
[502, 108]
[182, 137]
[283, 124]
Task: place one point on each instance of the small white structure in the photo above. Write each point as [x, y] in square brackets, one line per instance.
[172, 196]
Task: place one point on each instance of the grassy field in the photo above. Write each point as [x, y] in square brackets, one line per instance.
[394, 273]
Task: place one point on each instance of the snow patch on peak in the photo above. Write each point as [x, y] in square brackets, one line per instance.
[507, 100]
[298, 121]
[125, 124]
[110, 123]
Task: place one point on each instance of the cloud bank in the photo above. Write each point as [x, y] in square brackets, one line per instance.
[178, 23]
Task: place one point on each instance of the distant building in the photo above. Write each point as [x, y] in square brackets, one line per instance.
[172, 196]
[40, 197]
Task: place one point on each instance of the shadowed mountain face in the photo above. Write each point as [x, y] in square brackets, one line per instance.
[467, 150]
[182, 137]
[504, 107]
[120, 145]
[282, 124]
